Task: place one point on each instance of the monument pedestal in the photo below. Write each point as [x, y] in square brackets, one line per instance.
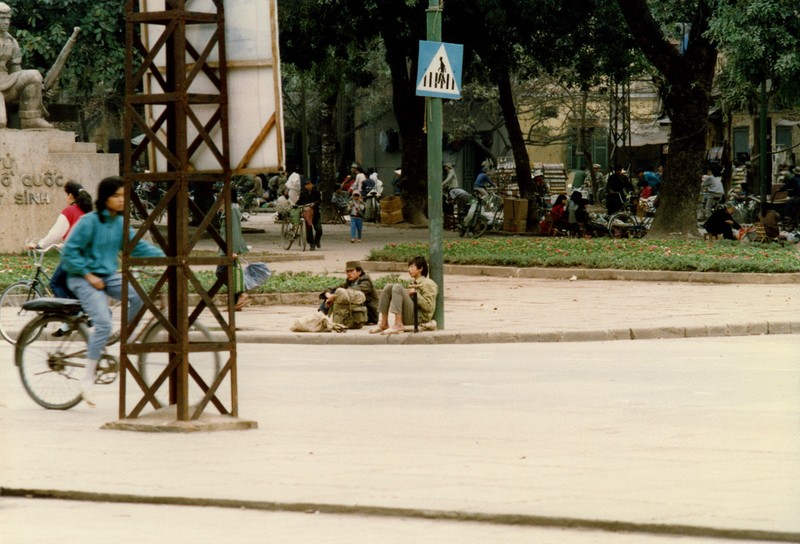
[34, 166]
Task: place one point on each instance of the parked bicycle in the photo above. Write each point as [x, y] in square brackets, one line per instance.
[294, 227]
[634, 223]
[150, 194]
[12, 314]
[51, 351]
[746, 209]
[493, 210]
[372, 207]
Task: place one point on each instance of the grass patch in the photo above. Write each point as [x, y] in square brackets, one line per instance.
[20, 266]
[678, 255]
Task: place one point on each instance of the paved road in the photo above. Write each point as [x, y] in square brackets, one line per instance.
[677, 433]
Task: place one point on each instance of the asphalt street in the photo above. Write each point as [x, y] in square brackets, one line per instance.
[699, 436]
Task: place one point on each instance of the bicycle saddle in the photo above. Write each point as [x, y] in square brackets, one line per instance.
[46, 304]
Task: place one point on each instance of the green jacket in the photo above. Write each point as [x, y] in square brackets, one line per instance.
[426, 298]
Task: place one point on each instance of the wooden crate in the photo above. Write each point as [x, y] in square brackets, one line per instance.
[391, 203]
[391, 217]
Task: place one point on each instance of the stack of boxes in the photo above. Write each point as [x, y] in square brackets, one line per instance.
[391, 210]
[515, 214]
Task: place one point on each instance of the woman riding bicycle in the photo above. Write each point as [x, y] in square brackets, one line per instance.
[90, 259]
[79, 202]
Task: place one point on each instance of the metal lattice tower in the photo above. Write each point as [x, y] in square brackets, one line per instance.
[619, 122]
[177, 99]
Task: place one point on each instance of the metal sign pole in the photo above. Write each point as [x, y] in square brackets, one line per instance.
[435, 216]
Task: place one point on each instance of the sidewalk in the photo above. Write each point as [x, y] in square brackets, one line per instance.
[503, 304]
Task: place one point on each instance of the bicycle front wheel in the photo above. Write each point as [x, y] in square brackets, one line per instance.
[479, 226]
[12, 317]
[51, 360]
[301, 233]
[205, 363]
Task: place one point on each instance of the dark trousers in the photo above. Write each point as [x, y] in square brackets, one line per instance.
[58, 283]
[314, 232]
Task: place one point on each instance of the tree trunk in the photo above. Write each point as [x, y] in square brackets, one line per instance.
[587, 150]
[328, 158]
[522, 162]
[687, 95]
[680, 190]
[409, 110]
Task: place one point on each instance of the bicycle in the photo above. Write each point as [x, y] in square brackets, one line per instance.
[629, 225]
[372, 204]
[474, 223]
[294, 227]
[149, 195]
[493, 211]
[12, 315]
[51, 349]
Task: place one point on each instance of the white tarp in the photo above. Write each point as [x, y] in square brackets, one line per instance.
[254, 87]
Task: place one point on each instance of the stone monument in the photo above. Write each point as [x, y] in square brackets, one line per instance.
[38, 160]
[16, 84]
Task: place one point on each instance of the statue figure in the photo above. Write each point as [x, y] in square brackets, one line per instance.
[16, 84]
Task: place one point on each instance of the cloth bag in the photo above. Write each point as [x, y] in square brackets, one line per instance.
[255, 275]
[316, 322]
[308, 215]
[238, 277]
[349, 309]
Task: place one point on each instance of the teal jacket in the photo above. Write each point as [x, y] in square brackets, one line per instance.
[94, 246]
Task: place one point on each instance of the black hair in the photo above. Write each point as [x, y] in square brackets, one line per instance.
[106, 190]
[83, 199]
[561, 198]
[420, 263]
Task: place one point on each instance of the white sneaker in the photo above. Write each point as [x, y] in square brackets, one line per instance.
[87, 393]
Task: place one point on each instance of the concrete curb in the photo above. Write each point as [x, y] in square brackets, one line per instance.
[362, 337]
[597, 273]
[524, 520]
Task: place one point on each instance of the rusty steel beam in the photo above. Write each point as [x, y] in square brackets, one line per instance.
[159, 82]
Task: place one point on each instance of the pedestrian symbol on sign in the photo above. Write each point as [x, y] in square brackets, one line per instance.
[439, 73]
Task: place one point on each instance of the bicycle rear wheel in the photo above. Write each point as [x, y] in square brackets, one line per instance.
[51, 364]
[12, 317]
[287, 234]
[622, 225]
[152, 365]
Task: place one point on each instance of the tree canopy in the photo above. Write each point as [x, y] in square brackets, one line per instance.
[760, 40]
[95, 71]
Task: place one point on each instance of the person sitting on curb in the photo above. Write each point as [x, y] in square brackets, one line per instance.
[356, 279]
[396, 300]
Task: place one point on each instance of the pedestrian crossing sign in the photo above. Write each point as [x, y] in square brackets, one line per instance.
[439, 69]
